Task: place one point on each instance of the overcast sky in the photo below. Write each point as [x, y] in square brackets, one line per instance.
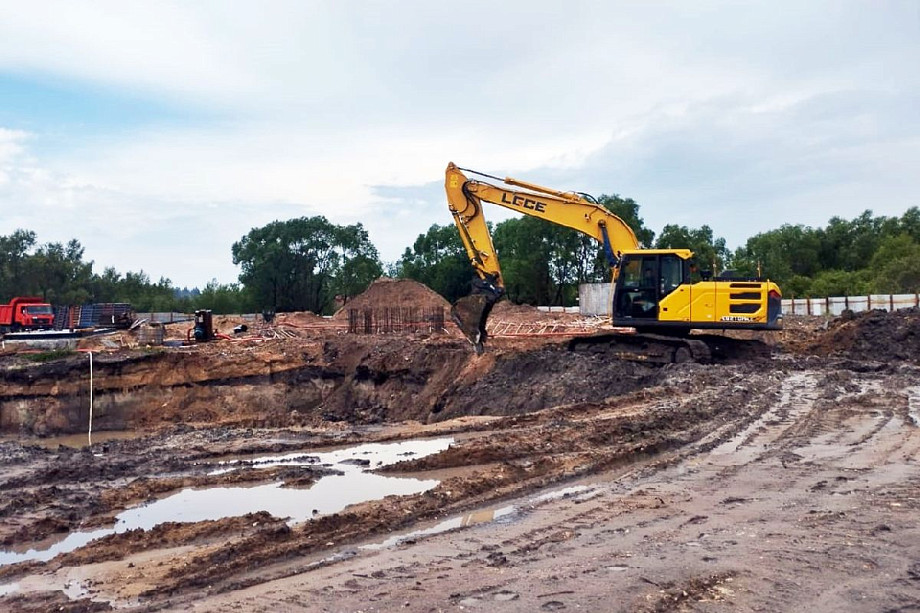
[158, 133]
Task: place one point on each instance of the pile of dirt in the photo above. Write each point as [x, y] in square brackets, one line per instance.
[394, 293]
[872, 335]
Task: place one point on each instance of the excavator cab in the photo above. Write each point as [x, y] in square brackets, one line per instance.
[645, 280]
[661, 289]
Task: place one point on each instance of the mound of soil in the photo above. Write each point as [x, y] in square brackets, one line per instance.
[394, 293]
[873, 335]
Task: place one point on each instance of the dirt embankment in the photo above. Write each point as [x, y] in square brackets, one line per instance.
[346, 378]
[872, 335]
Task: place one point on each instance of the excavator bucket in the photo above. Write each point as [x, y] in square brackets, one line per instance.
[471, 312]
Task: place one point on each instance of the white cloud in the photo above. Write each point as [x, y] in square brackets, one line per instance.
[704, 112]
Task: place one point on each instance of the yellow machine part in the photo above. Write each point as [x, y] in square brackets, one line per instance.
[717, 302]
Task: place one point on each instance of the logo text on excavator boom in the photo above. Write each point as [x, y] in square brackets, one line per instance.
[524, 202]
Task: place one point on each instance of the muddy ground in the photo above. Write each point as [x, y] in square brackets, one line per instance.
[781, 480]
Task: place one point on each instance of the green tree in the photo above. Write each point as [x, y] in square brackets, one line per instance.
[59, 274]
[356, 275]
[896, 265]
[524, 246]
[224, 299]
[850, 244]
[292, 265]
[14, 255]
[840, 283]
[910, 223]
[709, 252]
[438, 259]
[789, 255]
[627, 209]
[104, 287]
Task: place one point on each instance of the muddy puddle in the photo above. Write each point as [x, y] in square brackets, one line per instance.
[353, 484]
[485, 516]
[76, 441]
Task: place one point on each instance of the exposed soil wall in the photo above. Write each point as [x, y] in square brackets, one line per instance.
[356, 379]
[361, 379]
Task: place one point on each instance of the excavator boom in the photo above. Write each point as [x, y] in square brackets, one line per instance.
[465, 198]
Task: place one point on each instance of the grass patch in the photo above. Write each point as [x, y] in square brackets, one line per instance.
[48, 356]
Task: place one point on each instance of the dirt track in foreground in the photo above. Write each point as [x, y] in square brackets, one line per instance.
[787, 484]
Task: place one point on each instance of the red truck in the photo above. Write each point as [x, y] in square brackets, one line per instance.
[26, 313]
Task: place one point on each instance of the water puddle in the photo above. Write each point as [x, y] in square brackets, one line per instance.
[328, 495]
[369, 455]
[470, 519]
[576, 492]
[76, 441]
[9, 588]
[485, 516]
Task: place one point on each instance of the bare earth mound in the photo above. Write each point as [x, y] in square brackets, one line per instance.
[873, 335]
[394, 293]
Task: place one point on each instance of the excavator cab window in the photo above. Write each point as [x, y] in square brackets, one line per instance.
[672, 274]
[645, 280]
[638, 287]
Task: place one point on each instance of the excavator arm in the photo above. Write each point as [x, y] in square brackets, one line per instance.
[465, 198]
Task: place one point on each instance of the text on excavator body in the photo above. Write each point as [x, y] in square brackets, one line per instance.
[526, 203]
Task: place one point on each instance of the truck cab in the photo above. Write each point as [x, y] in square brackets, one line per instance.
[26, 313]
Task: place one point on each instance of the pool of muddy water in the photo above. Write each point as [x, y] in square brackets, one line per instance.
[330, 494]
[77, 441]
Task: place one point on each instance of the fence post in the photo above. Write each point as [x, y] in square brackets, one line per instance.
[891, 302]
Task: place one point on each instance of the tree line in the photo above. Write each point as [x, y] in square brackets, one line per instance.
[311, 264]
[544, 264]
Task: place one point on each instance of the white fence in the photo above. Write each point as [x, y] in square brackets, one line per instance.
[838, 304]
[597, 298]
[559, 309]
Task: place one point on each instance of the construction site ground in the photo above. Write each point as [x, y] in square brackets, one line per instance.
[530, 478]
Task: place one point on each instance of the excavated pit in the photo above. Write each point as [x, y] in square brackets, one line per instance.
[526, 416]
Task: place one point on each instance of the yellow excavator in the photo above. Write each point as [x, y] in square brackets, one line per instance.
[657, 293]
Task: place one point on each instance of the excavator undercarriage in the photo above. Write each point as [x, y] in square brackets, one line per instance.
[663, 349]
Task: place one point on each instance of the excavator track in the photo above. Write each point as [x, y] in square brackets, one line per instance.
[663, 349]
